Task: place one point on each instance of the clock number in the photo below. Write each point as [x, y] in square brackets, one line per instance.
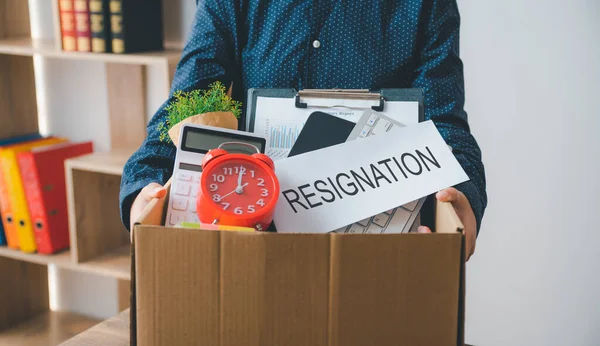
[225, 205]
[261, 182]
[251, 209]
[240, 169]
[219, 178]
[214, 187]
[216, 197]
[252, 172]
[238, 210]
[261, 202]
[228, 169]
[265, 192]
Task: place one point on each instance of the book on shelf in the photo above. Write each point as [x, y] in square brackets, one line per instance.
[100, 26]
[9, 141]
[66, 11]
[136, 26]
[15, 212]
[82, 25]
[46, 192]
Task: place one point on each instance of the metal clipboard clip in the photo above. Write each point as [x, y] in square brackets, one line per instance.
[357, 94]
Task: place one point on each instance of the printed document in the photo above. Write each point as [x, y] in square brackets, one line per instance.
[280, 121]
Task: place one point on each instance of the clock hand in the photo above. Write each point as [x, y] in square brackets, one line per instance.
[240, 188]
[236, 189]
[240, 179]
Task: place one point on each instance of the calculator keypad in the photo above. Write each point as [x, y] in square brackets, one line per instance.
[176, 218]
[182, 189]
[180, 203]
[183, 198]
[184, 176]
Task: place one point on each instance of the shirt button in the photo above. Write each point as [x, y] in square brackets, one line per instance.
[316, 44]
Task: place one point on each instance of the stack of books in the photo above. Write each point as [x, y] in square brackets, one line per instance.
[33, 192]
[111, 26]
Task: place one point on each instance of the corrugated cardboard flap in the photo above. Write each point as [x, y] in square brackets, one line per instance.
[386, 289]
[274, 289]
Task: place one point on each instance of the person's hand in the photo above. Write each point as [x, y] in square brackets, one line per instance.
[151, 191]
[465, 213]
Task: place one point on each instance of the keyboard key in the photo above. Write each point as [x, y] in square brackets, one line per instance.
[180, 203]
[391, 211]
[195, 189]
[372, 119]
[197, 178]
[381, 219]
[185, 176]
[411, 206]
[176, 218]
[381, 127]
[398, 221]
[364, 222]
[365, 131]
[340, 230]
[356, 228]
[374, 229]
[182, 189]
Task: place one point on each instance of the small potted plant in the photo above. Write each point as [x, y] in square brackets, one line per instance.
[212, 107]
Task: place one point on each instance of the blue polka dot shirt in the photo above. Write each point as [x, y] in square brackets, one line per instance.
[322, 44]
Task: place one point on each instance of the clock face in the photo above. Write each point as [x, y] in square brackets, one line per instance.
[240, 187]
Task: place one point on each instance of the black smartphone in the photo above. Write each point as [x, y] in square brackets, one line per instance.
[321, 130]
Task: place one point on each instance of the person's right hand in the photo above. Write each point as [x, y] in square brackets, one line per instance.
[151, 191]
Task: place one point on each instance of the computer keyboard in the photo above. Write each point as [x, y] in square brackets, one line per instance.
[398, 220]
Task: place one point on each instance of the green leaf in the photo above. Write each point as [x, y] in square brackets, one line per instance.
[187, 104]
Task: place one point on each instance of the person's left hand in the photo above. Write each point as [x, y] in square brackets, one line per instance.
[465, 213]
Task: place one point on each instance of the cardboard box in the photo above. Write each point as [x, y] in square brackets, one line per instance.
[197, 287]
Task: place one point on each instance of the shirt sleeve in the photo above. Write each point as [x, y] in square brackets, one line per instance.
[208, 56]
[440, 75]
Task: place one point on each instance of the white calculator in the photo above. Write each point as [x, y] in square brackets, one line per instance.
[194, 142]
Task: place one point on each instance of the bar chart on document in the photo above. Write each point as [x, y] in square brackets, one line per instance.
[281, 138]
[280, 122]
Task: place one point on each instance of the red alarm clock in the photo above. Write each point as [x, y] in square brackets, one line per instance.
[237, 189]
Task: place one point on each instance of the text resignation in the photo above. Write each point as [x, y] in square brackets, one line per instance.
[351, 183]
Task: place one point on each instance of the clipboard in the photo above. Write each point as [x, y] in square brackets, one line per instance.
[379, 98]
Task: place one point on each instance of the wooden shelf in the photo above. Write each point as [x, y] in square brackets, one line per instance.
[113, 331]
[115, 264]
[101, 162]
[16, 46]
[60, 259]
[93, 185]
[29, 47]
[47, 329]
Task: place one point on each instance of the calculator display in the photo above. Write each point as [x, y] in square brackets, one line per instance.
[189, 167]
[201, 141]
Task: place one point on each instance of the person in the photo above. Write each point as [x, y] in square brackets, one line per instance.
[323, 44]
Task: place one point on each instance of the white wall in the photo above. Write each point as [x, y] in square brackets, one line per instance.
[533, 96]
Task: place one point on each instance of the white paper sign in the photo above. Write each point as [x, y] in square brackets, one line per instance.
[326, 189]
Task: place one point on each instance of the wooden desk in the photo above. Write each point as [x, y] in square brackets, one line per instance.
[114, 332]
